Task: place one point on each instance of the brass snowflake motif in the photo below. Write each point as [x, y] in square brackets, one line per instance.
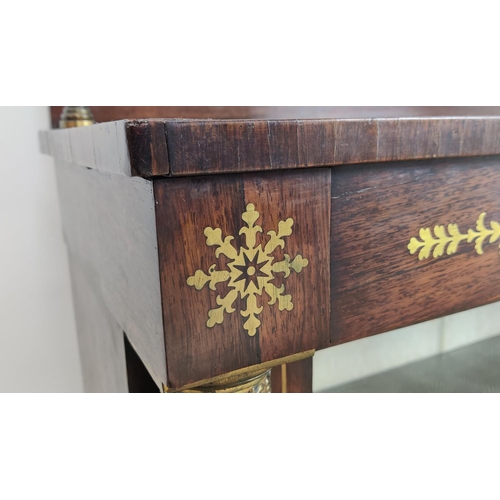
[250, 271]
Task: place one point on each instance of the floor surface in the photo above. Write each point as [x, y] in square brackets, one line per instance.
[475, 368]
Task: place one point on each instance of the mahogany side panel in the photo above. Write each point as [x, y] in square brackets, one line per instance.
[108, 222]
[185, 207]
[377, 285]
[100, 337]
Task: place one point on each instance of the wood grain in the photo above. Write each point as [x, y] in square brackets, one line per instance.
[233, 146]
[377, 285]
[298, 377]
[179, 148]
[185, 207]
[222, 146]
[111, 113]
[148, 148]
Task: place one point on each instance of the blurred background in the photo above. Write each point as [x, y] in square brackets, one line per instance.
[38, 346]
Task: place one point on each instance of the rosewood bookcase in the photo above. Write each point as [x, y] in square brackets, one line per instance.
[211, 245]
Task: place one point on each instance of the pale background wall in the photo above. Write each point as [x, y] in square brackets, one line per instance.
[38, 347]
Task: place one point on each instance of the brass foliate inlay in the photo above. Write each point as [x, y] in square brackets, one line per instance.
[449, 241]
[251, 271]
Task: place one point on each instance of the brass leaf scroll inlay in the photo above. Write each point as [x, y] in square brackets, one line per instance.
[449, 240]
[251, 271]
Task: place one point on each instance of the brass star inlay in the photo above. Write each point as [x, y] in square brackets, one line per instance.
[251, 271]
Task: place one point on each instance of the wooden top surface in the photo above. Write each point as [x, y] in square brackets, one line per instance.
[181, 147]
[113, 113]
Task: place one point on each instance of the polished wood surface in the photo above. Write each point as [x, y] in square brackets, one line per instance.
[178, 148]
[111, 113]
[185, 207]
[147, 147]
[209, 146]
[377, 285]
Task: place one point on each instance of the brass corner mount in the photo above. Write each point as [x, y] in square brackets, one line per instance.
[76, 116]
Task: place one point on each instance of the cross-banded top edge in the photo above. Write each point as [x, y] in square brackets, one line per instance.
[182, 147]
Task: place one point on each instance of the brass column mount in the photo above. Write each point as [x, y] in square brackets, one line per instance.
[258, 382]
[76, 116]
[252, 379]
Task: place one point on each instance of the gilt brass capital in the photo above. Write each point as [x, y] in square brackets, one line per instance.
[76, 116]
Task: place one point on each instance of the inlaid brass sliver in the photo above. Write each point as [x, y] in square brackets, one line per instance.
[251, 271]
[449, 241]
